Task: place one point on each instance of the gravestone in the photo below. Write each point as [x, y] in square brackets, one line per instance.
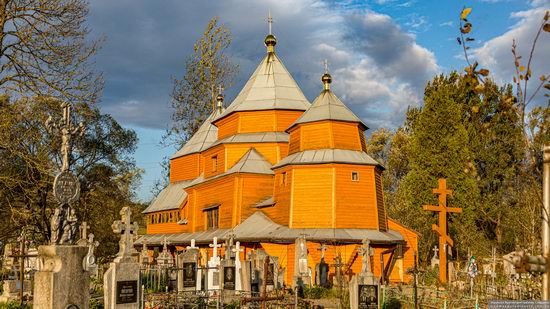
[144, 258]
[322, 269]
[435, 258]
[268, 276]
[165, 259]
[189, 275]
[120, 282]
[302, 273]
[229, 271]
[365, 287]
[213, 267]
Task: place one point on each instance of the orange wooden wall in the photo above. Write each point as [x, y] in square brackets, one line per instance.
[185, 168]
[326, 135]
[256, 121]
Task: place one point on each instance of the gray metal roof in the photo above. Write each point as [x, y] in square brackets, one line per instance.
[321, 156]
[252, 162]
[170, 198]
[268, 201]
[258, 137]
[202, 139]
[258, 227]
[328, 106]
[270, 87]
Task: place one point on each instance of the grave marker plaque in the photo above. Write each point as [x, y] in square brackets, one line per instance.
[368, 296]
[229, 278]
[126, 292]
[189, 275]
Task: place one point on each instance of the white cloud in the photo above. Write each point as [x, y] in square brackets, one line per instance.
[496, 55]
[446, 24]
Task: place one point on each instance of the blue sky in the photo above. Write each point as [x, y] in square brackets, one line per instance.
[381, 53]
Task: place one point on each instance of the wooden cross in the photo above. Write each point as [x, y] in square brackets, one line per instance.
[441, 229]
[127, 229]
[215, 245]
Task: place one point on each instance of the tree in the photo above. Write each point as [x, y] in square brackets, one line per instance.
[193, 94]
[44, 51]
[30, 158]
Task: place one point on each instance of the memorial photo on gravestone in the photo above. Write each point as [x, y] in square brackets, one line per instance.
[368, 296]
[189, 275]
[229, 278]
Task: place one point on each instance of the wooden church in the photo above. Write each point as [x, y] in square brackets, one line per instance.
[273, 167]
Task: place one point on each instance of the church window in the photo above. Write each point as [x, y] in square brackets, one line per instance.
[214, 163]
[354, 176]
[212, 218]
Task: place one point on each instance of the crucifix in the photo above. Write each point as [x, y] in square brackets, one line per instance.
[127, 229]
[67, 129]
[441, 229]
[66, 187]
[338, 266]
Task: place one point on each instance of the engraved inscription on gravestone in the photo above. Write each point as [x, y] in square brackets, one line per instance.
[229, 278]
[66, 188]
[368, 296]
[126, 292]
[189, 275]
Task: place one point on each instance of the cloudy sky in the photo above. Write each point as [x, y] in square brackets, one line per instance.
[381, 53]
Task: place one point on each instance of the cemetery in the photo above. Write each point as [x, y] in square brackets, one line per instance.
[276, 201]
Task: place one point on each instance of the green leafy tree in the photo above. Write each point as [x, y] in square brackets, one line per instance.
[206, 69]
[29, 159]
[44, 50]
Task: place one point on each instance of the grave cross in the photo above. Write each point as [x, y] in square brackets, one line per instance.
[435, 250]
[338, 265]
[127, 229]
[83, 241]
[89, 260]
[237, 250]
[323, 248]
[192, 245]
[366, 252]
[441, 229]
[215, 245]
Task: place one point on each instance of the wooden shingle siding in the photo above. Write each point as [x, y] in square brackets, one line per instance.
[227, 126]
[286, 118]
[254, 189]
[219, 191]
[294, 141]
[185, 168]
[383, 226]
[208, 157]
[258, 121]
[281, 193]
[345, 135]
[411, 239]
[355, 200]
[315, 135]
[271, 151]
[312, 198]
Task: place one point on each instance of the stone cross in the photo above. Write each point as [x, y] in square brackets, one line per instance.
[229, 246]
[127, 229]
[338, 265]
[366, 252]
[237, 250]
[441, 229]
[215, 245]
[192, 245]
[67, 129]
[323, 248]
[144, 256]
[89, 260]
[83, 241]
[435, 250]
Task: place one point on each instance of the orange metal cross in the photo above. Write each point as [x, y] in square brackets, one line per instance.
[441, 230]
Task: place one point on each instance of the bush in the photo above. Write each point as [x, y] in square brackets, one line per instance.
[392, 303]
[14, 305]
